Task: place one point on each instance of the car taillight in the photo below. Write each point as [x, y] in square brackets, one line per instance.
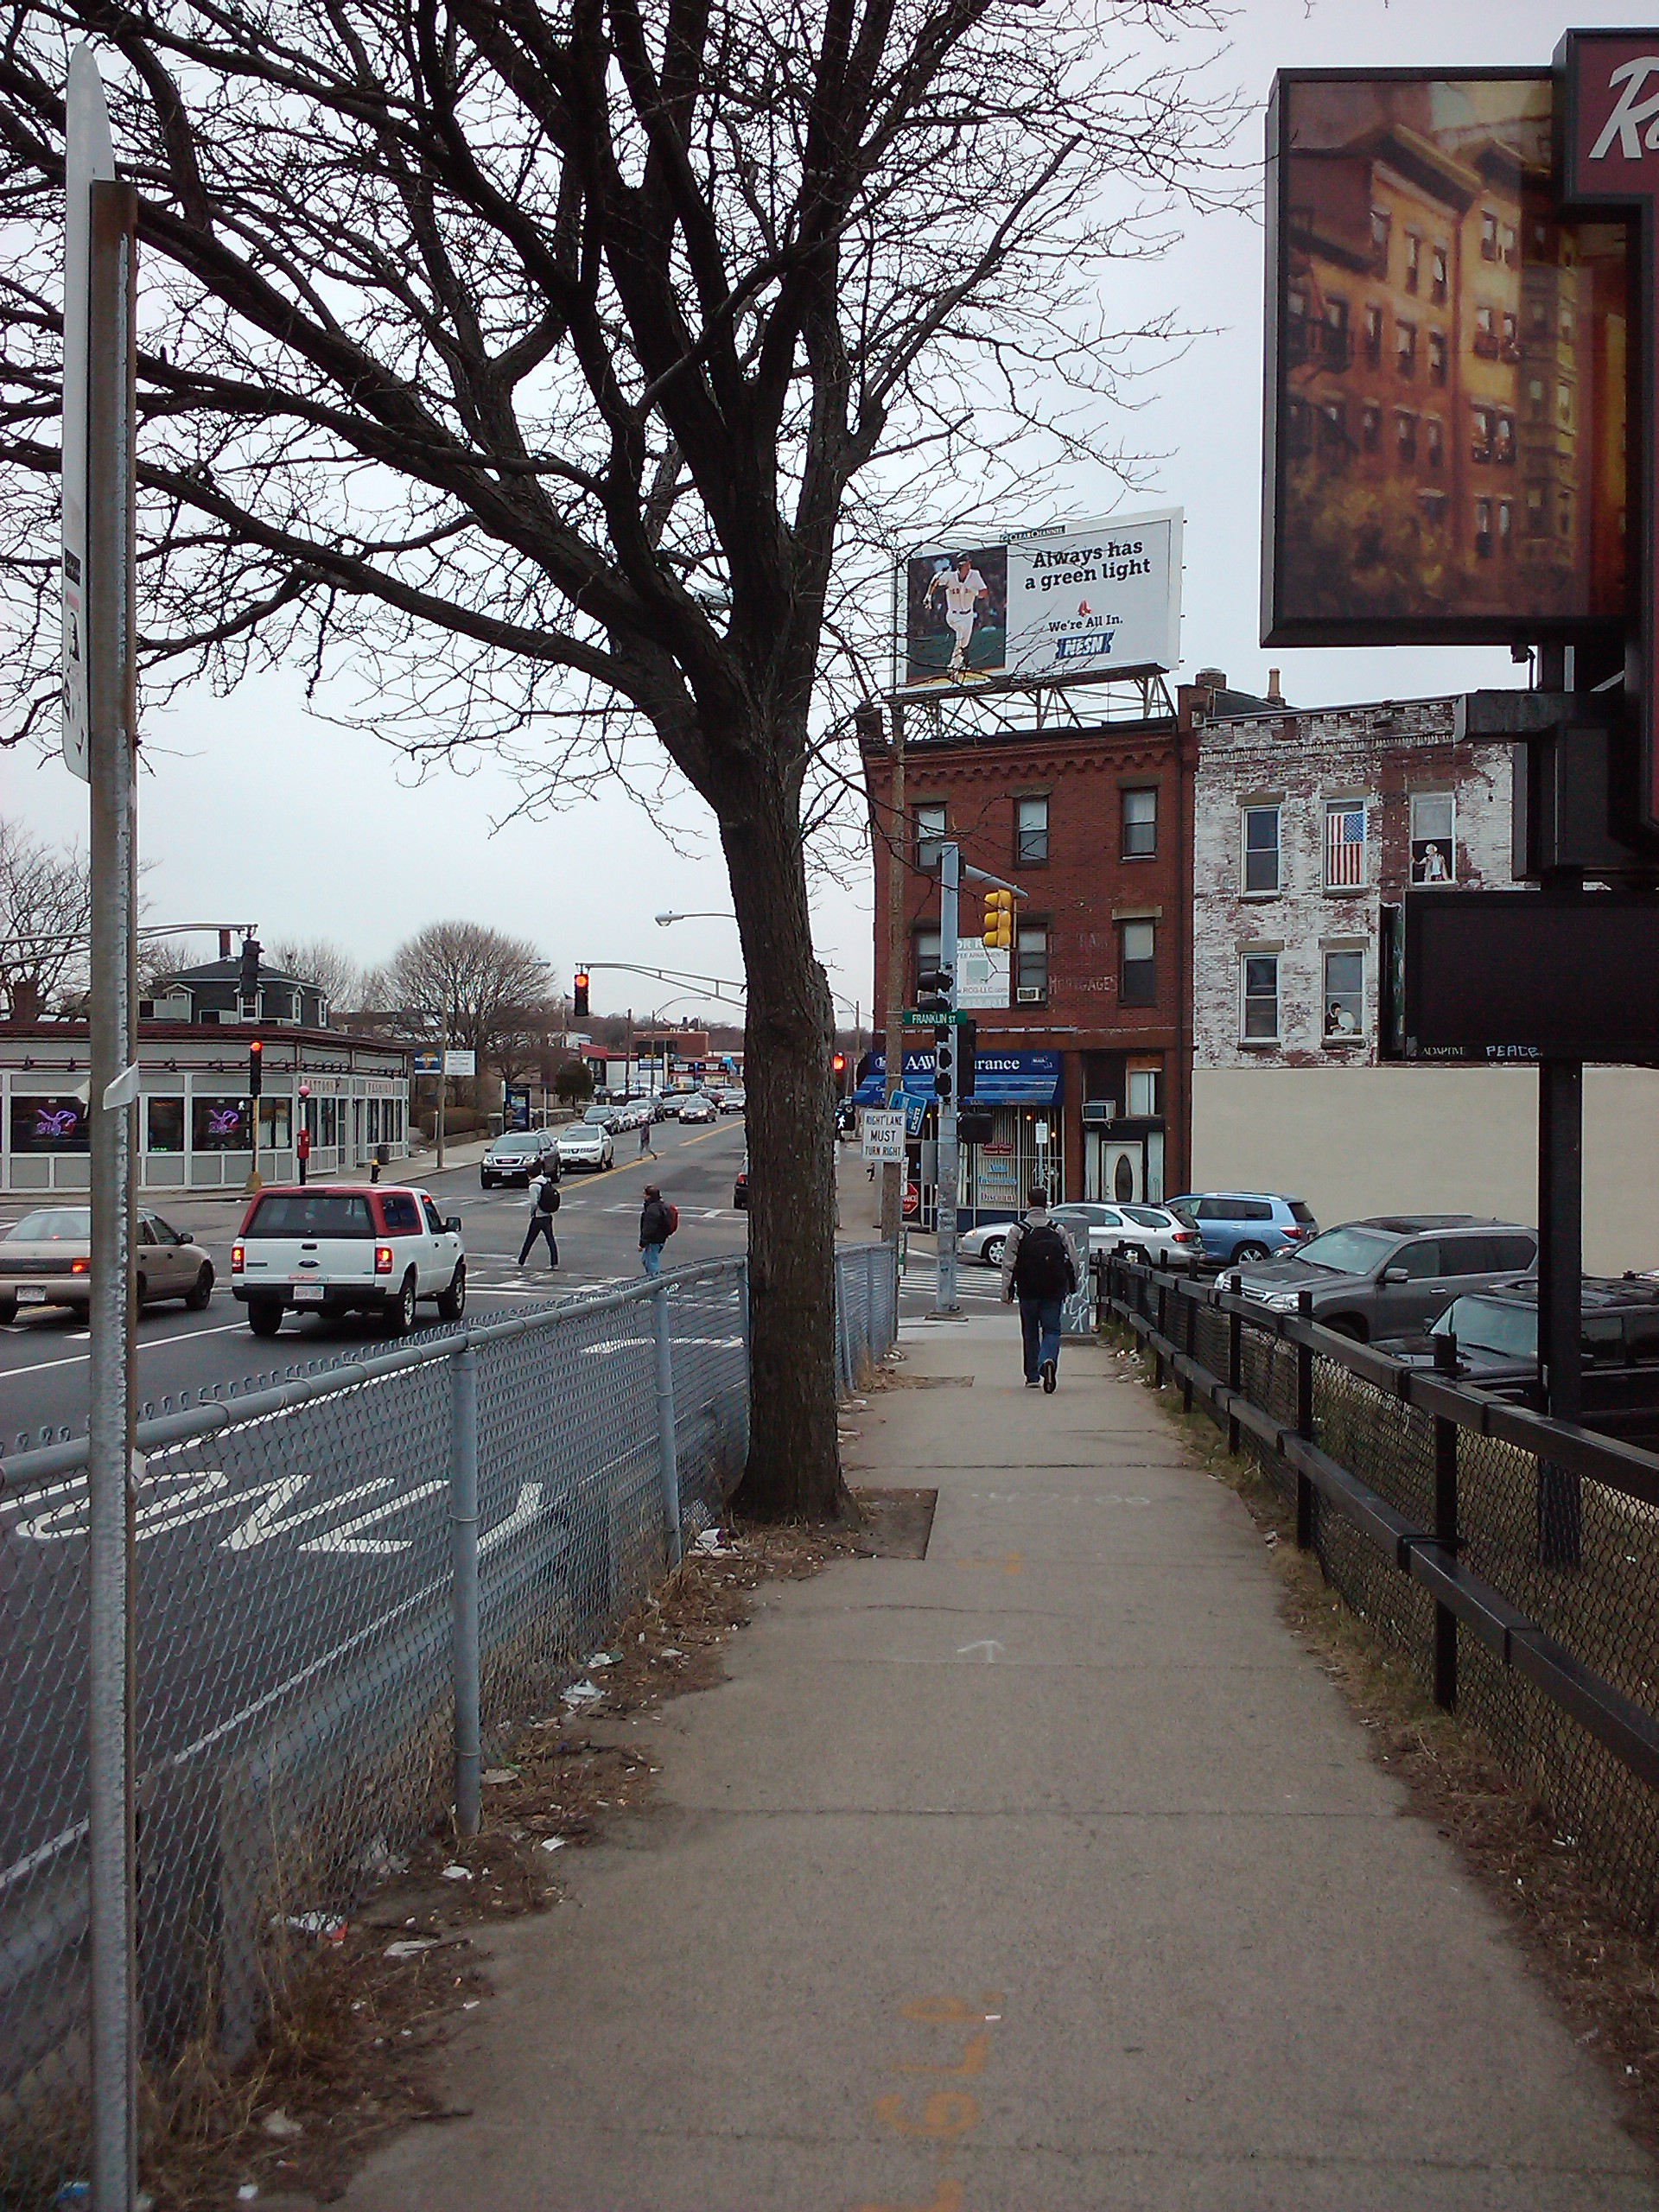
[383, 1259]
[80, 1266]
[1294, 1231]
[238, 1259]
[1184, 1236]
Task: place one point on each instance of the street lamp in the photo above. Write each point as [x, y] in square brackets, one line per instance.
[663, 920]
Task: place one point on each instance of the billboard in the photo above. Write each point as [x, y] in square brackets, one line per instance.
[1085, 599]
[1503, 975]
[1448, 365]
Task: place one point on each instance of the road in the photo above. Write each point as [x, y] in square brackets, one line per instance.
[43, 1356]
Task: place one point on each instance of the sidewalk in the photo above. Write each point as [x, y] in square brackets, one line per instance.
[1044, 1874]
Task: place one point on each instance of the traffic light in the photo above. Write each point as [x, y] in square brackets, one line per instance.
[933, 990]
[579, 991]
[838, 1067]
[255, 1067]
[966, 1048]
[998, 931]
[248, 977]
[944, 1066]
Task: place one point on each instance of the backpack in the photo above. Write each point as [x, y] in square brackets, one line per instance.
[1042, 1266]
[547, 1198]
[671, 1217]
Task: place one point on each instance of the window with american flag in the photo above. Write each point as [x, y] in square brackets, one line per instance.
[1344, 844]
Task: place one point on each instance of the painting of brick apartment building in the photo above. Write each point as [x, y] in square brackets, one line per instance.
[1447, 403]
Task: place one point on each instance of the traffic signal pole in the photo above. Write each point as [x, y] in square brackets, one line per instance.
[946, 1300]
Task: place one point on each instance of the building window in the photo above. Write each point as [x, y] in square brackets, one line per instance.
[1539, 321]
[1299, 429]
[1508, 246]
[1434, 505]
[1405, 348]
[46, 1124]
[1261, 848]
[1140, 824]
[1379, 225]
[1374, 336]
[1259, 992]
[1413, 260]
[1512, 339]
[1370, 427]
[164, 1125]
[1537, 520]
[1344, 844]
[1031, 826]
[222, 1124]
[1485, 338]
[929, 833]
[1433, 840]
[1487, 235]
[1568, 331]
[1345, 995]
[1563, 513]
[1437, 357]
[1137, 964]
[1031, 965]
[1503, 444]
[1436, 433]
[1437, 278]
[1564, 405]
[1505, 525]
[1333, 426]
[1405, 435]
[1338, 353]
[1146, 1089]
[1483, 529]
[1482, 421]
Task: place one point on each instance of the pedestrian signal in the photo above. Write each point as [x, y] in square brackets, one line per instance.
[998, 932]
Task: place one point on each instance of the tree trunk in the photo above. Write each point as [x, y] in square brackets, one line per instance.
[793, 1470]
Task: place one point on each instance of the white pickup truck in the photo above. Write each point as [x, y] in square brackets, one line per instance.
[367, 1248]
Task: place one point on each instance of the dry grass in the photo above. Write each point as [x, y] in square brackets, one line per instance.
[1604, 1974]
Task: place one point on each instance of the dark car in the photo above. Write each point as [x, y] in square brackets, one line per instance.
[1495, 1332]
[1390, 1275]
[1238, 1227]
[516, 1155]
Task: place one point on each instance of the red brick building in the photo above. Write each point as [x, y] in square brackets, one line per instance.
[1087, 1070]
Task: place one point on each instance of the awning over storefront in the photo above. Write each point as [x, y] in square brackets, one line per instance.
[1000, 1078]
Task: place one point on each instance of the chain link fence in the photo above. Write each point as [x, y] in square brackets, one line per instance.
[1512, 1561]
[353, 1582]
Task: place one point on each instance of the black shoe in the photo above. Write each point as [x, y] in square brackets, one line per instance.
[1050, 1378]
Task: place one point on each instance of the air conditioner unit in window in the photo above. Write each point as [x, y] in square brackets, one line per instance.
[1030, 994]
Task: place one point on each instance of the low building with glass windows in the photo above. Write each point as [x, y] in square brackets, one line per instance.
[1306, 825]
[197, 1125]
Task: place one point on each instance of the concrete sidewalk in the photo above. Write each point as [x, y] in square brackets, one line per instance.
[1045, 1874]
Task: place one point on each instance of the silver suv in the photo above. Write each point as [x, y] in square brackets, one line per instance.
[1390, 1275]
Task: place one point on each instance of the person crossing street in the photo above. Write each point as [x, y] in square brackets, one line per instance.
[1041, 1268]
[658, 1223]
[543, 1205]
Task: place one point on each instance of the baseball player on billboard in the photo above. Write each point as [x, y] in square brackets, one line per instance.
[963, 588]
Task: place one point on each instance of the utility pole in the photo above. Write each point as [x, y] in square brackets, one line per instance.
[101, 739]
[947, 1061]
[897, 833]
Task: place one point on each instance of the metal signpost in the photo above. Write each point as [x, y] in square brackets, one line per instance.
[100, 737]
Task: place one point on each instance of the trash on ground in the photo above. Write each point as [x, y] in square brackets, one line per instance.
[552, 1843]
[329, 1926]
[582, 1694]
[409, 1946]
[606, 1659]
[456, 1874]
[280, 2125]
[496, 1775]
[672, 1651]
[377, 1857]
[712, 1544]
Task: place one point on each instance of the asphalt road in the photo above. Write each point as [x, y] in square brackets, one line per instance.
[43, 1356]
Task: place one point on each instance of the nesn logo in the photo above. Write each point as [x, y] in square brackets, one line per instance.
[1092, 641]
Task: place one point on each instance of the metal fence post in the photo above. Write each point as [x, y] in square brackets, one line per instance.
[1163, 1330]
[1446, 1528]
[463, 1536]
[1191, 1346]
[668, 1446]
[1305, 1423]
[1234, 1362]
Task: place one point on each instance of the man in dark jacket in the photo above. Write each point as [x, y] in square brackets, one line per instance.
[1041, 1266]
[543, 1205]
[657, 1225]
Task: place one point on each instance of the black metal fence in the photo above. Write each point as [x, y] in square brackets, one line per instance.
[1512, 1559]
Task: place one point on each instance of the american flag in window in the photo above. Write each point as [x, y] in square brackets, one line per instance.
[1344, 846]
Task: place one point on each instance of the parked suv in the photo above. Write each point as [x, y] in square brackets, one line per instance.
[1390, 1275]
[344, 1248]
[1238, 1227]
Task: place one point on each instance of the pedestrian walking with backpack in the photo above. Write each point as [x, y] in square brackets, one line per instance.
[658, 1223]
[543, 1205]
[1041, 1268]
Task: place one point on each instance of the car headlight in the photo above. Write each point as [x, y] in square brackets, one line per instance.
[1281, 1302]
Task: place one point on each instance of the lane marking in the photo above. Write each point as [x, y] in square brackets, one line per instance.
[151, 1344]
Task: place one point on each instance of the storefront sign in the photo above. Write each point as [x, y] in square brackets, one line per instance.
[1000, 1078]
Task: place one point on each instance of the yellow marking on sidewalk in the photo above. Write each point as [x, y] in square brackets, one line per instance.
[973, 2056]
[947, 2113]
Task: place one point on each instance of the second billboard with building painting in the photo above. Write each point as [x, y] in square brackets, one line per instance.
[1447, 369]
[1089, 599]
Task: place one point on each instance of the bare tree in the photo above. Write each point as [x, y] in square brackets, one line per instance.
[473, 979]
[575, 366]
[315, 960]
[45, 915]
[526, 1037]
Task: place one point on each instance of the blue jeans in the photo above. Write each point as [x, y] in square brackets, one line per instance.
[1040, 1325]
[651, 1258]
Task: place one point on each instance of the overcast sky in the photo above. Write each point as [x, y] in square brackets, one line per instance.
[253, 810]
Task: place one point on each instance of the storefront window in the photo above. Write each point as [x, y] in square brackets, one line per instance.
[49, 1125]
[374, 1121]
[327, 1111]
[164, 1124]
[220, 1124]
[275, 1124]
